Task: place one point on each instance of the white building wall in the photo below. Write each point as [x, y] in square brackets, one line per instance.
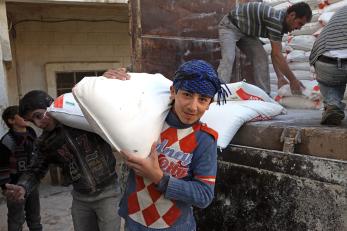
[37, 43]
[5, 56]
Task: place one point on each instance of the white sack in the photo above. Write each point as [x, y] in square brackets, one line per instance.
[311, 90]
[226, 119]
[283, 6]
[299, 102]
[66, 110]
[303, 75]
[274, 2]
[273, 79]
[325, 17]
[302, 66]
[311, 3]
[307, 29]
[298, 56]
[302, 42]
[335, 7]
[315, 15]
[130, 113]
[245, 91]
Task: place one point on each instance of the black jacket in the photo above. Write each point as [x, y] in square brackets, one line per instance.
[16, 150]
[85, 158]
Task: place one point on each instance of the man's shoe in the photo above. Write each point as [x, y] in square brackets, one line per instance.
[332, 115]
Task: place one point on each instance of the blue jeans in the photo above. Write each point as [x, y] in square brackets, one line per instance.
[28, 211]
[332, 82]
[98, 212]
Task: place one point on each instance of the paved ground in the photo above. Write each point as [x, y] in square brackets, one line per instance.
[55, 209]
[56, 204]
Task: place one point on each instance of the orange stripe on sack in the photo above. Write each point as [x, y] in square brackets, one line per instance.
[316, 88]
[59, 102]
[246, 96]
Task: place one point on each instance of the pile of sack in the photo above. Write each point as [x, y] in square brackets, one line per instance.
[130, 114]
[297, 48]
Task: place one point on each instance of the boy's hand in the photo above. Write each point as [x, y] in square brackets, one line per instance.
[14, 192]
[148, 167]
[119, 73]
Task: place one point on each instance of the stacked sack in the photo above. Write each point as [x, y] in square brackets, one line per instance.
[245, 103]
[297, 48]
[130, 114]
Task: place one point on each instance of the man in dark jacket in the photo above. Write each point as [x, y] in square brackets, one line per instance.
[84, 157]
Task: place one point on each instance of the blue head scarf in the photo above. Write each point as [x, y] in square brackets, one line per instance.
[198, 76]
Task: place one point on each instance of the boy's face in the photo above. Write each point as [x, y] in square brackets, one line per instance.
[189, 107]
[18, 122]
[41, 119]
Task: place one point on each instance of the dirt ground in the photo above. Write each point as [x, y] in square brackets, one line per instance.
[55, 209]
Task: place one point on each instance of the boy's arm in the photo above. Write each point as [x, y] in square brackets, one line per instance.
[5, 154]
[200, 190]
[36, 171]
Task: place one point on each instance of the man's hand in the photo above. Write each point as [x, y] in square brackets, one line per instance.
[296, 86]
[119, 73]
[281, 82]
[14, 192]
[148, 167]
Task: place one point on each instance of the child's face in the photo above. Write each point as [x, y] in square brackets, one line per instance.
[189, 107]
[18, 122]
[41, 119]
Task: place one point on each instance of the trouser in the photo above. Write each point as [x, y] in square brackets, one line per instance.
[332, 83]
[28, 211]
[97, 213]
[230, 36]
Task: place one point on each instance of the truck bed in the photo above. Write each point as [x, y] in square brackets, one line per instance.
[312, 138]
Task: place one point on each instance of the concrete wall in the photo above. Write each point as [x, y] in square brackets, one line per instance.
[259, 189]
[85, 34]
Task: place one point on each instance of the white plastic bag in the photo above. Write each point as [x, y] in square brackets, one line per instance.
[303, 75]
[66, 110]
[308, 29]
[302, 66]
[302, 42]
[335, 7]
[311, 91]
[299, 102]
[298, 56]
[226, 119]
[130, 114]
[245, 91]
[325, 17]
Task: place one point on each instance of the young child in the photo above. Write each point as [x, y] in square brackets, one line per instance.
[180, 171]
[84, 157]
[16, 150]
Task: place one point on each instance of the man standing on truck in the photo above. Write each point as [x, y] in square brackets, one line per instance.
[329, 57]
[243, 25]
